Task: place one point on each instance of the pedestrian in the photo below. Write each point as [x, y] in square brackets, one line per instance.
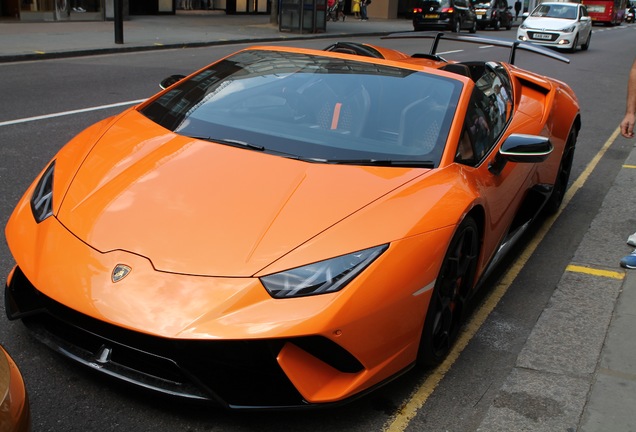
[627, 130]
[341, 12]
[627, 125]
[363, 9]
[332, 12]
[517, 9]
[355, 8]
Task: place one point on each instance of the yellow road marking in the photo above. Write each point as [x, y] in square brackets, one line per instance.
[629, 166]
[418, 398]
[595, 271]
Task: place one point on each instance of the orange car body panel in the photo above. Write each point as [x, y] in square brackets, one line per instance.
[15, 413]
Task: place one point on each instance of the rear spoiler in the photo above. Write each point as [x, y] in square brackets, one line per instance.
[506, 43]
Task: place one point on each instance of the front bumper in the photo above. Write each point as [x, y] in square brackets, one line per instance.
[547, 38]
[231, 373]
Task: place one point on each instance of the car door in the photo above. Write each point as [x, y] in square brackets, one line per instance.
[502, 191]
[585, 24]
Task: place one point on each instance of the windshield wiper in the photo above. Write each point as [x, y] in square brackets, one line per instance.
[230, 141]
[385, 162]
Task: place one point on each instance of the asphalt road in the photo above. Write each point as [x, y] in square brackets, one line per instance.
[67, 398]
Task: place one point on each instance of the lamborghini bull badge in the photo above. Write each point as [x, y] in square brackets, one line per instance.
[119, 272]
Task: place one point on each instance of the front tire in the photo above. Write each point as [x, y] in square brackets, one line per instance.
[450, 295]
[473, 29]
[575, 44]
[586, 45]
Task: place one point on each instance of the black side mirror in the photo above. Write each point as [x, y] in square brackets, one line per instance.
[521, 149]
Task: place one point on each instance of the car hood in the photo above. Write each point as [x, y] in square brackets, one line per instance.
[201, 208]
[548, 23]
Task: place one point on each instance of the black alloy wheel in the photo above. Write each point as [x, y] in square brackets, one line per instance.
[450, 295]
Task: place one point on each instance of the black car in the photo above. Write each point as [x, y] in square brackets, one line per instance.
[454, 15]
[494, 13]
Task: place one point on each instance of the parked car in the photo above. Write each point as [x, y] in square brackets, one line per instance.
[15, 414]
[289, 227]
[454, 15]
[560, 25]
[494, 13]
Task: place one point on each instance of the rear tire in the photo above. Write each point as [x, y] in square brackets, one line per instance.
[563, 176]
[449, 299]
[457, 26]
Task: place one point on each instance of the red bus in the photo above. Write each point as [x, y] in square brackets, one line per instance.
[608, 12]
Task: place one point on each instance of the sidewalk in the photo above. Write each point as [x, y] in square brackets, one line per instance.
[40, 40]
[577, 371]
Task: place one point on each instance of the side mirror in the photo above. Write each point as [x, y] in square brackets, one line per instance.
[167, 82]
[521, 149]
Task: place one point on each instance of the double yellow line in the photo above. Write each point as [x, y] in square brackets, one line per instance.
[418, 398]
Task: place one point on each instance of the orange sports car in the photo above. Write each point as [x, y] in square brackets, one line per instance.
[289, 227]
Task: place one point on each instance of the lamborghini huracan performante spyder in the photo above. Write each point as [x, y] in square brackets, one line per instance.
[289, 227]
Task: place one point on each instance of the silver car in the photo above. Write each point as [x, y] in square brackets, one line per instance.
[560, 25]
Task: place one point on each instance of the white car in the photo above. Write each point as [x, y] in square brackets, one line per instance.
[559, 25]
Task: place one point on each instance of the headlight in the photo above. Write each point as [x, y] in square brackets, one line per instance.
[322, 277]
[569, 29]
[42, 198]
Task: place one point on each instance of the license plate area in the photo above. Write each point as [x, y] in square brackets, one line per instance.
[542, 36]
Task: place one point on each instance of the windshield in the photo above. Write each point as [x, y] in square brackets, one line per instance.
[555, 11]
[314, 108]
